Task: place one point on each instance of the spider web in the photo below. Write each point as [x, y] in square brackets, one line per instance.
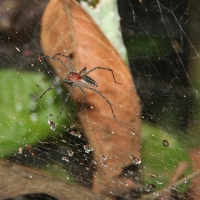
[161, 38]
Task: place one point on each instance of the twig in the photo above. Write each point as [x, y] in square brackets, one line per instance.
[177, 183]
[179, 170]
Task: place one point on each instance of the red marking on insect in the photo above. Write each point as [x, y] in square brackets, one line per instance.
[74, 77]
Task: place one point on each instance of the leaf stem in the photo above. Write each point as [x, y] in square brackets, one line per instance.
[177, 183]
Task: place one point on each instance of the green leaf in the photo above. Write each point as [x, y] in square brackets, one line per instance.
[161, 161]
[144, 47]
[22, 120]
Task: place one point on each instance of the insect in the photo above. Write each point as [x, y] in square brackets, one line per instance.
[80, 80]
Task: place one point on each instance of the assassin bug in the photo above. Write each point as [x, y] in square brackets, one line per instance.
[80, 80]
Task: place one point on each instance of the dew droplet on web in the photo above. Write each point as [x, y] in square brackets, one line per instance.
[153, 175]
[123, 183]
[88, 148]
[130, 172]
[70, 152]
[20, 150]
[105, 164]
[52, 125]
[185, 180]
[150, 187]
[165, 143]
[155, 194]
[19, 107]
[77, 134]
[140, 171]
[94, 162]
[132, 133]
[59, 90]
[33, 117]
[135, 160]
[65, 159]
[159, 182]
[116, 156]
[59, 70]
[103, 157]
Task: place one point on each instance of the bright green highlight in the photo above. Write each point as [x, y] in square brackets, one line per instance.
[158, 161]
[22, 120]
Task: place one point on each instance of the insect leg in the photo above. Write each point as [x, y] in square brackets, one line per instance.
[103, 69]
[53, 86]
[84, 96]
[62, 62]
[69, 93]
[103, 98]
[83, 70]
[68, 58]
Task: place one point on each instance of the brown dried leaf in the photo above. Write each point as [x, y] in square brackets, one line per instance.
[68, 29]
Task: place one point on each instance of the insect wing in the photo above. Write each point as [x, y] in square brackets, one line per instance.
[87, 80]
